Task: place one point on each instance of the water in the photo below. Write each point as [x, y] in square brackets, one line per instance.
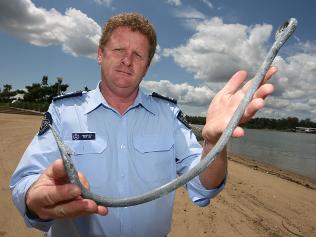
[295, 152]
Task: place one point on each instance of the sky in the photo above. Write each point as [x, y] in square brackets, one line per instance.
[201, 44]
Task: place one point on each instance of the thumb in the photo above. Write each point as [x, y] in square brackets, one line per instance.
[56, 170]
[238, 132]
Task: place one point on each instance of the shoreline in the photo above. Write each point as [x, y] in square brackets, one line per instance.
[273, 170]
[258, 200]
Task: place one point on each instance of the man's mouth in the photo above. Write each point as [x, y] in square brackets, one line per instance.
[125, 72]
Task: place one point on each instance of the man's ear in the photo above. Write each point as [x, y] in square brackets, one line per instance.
[100, 51]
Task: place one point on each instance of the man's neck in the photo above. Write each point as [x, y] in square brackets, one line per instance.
[119, 101]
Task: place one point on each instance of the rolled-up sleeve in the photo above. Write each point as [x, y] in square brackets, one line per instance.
[18, 195]
[198, 193]
[40, 153]
[188, 154]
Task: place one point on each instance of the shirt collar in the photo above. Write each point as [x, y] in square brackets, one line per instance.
[95, 99]
[144, 101]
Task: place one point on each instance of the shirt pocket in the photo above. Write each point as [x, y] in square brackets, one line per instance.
[89, 158]
[154, 158]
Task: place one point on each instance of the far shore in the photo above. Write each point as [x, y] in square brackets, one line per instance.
[258, 200]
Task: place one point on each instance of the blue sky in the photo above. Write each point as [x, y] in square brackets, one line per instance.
[201, 44]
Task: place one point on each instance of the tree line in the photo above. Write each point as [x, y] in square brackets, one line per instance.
[38, 96]
[289, 123]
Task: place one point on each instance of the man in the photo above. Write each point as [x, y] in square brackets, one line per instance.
[125, 143]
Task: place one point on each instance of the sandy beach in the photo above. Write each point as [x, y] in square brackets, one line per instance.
[259, 200]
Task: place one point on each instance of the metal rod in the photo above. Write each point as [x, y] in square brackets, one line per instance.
[282, 34]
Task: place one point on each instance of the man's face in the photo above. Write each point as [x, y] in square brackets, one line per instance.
[124, 60]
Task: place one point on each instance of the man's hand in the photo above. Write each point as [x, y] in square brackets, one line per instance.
[53, 197]
[226, 102]
[219, 114]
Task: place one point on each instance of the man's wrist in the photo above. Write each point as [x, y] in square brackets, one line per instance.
[207, 147]
[29, 213]
[210, 138]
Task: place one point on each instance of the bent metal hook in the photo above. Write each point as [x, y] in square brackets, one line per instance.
[282, 34]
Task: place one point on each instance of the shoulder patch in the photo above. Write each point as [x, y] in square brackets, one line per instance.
[155, 94]
[73, 94]
[181, 116]
[47, 119]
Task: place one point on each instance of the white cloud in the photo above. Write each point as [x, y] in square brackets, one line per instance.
[174, 2]
[208, 3]
[276, 103]
[312, 102]
[189, 17]
[217, 50]
[156, 57]
[183, 93]
[189, 13]
[104, 2]
[74, 31]
[307, 47]
[213, 53]
[293, 93]
[297, 76]
[299, 107]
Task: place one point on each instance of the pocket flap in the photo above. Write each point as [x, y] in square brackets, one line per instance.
[153, 143]
[87, 146]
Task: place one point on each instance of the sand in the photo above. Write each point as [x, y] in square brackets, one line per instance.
[258, 200]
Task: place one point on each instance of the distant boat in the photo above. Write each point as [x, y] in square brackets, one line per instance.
[305, 130]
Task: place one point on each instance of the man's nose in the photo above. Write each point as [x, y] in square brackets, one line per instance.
[127, 59]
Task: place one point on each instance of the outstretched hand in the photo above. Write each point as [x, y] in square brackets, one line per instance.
[53, 197]
[226, 102]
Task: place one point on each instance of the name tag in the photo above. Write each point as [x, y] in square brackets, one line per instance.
[83, 136]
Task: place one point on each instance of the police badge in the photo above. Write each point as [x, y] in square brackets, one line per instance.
[181, 116]
[47, 119]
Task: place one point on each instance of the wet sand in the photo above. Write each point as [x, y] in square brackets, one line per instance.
[259, 200]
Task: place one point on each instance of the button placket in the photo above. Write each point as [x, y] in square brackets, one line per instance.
[123, 166]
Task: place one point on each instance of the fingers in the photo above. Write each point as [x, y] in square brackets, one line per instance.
[102, 211]
[263, 91]
[227, 100]
[252, 109]
[272, 71]
[239, 77]
[74, 208]
[238, 132]
[59, 193]
[56, 170]
[235, 81]
[43, 194]
[60, 202]
[52, 196]
[258, 99]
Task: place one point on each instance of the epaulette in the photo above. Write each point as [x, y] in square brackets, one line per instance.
[155, 94]
[73, 94]
[47, 120]
[182, 118]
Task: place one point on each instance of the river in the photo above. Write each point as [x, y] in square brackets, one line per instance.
[295, 152]
[291, 151]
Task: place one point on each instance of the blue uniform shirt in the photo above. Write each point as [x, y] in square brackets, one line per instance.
[121, 156]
